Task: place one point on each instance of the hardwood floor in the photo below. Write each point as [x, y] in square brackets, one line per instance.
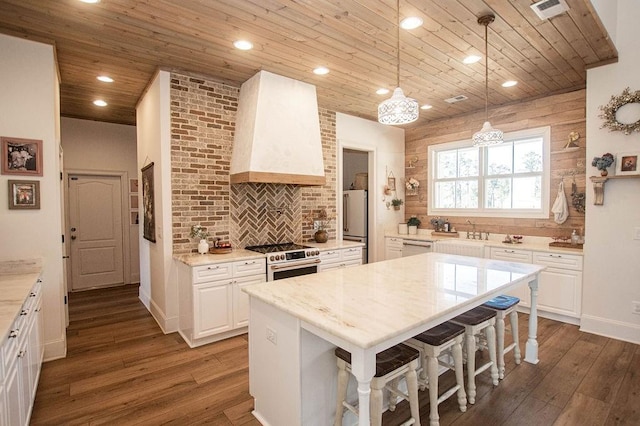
[121, 369]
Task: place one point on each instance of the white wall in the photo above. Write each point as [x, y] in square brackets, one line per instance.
[29, 109]
[158, 277]
[386, 145]
[612, 256]
[97, 146]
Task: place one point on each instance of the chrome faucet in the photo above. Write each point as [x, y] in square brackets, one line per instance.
[473, 233]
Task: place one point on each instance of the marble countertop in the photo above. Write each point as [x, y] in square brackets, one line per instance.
[17, 278]
[368, 304]
[196, 259]
[529, 243]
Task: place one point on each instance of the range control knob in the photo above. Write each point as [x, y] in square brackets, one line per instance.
[271, 258]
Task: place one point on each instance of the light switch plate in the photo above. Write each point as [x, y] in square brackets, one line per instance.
[636, 233]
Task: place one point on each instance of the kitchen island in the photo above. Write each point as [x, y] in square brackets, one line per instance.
[296, 323]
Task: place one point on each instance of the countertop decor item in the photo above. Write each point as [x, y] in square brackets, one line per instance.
[396, 203]
[627, 163]
[412, 185]
[413, 224]
[197, 231]
[610, 112]
[601, 163]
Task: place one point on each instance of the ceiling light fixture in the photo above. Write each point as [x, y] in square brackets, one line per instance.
[321, 71]
[471, 59]
[382, 91]
[398, 109]
[105, 78]
[426, 106]
[100, 103]
[487, 135]
[243, 45]
[411, 23]
[90, 1]
[509, 83]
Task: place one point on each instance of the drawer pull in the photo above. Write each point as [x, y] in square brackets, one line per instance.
[509, 251]
[24, 312]
[13, 334]
[250, 263]
[21, 354]
[210, 268]
[559, 256]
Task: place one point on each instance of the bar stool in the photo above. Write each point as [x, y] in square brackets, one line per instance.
[444, 339]
[478, 323]
[391, 364]
[505, 306]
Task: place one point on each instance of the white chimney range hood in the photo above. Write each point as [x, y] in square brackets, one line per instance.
[277, 135]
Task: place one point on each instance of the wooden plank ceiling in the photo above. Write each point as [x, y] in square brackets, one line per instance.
[356, 39]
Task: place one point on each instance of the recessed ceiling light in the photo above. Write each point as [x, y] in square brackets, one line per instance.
[509, 83]
[471, 59]
[426, 106]
[411, 22]
[90, 1]
[243, 44]
[321, 71]
[105, 79]
[382, 91]
[100, 103]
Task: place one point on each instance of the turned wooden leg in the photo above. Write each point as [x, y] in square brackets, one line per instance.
[375, 412]
[432, 373]
[392, 398]
[500, 343]
[491, 343]
[513, 319]
[412, 387]
[343, 380]
[456, 351]
[471, 366]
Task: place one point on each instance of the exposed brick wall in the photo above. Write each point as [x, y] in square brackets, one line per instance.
[202, 125]
[203, 116]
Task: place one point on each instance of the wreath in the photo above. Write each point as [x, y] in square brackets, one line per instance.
[609, 112]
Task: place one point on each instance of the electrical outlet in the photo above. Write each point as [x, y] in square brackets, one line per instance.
[635, 308]
[636, 233]
[272, 336]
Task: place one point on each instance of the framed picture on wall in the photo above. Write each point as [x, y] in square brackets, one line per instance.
[148, 204]
[24, 194]
[21, 156]
[627, 163]
[133, 186]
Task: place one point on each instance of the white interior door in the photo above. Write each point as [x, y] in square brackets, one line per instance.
[95, 230]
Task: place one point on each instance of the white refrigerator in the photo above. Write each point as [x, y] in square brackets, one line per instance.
[354, 218]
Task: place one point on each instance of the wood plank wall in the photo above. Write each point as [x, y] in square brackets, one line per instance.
[564, 113]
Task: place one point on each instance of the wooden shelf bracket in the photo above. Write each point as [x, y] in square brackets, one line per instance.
[598, 186]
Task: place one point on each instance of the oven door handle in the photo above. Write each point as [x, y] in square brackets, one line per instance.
[293, 265]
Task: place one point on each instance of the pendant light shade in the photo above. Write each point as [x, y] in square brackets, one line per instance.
[398, 109]
[487, 135]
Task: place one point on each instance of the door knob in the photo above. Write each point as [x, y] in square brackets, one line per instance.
[73, 237]
[73, 229]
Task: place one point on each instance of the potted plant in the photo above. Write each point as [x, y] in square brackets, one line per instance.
[396, 203]
[197, 231]
[322, 222]
[601, 163]
[413, 224]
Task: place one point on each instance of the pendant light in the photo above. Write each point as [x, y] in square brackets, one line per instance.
[487, 135]
[398, 109]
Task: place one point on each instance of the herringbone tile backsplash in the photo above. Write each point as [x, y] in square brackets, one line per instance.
[265, 213]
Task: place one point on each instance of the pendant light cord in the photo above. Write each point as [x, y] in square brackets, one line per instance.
[486, 71]
[398, 43]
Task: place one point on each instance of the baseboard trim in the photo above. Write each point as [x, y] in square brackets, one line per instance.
[56, 349]
[610, 328]
[168, 325]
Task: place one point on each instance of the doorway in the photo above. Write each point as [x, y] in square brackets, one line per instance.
[355, 204]
[95, 230]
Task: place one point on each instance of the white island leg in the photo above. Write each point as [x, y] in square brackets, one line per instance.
[531, 350]
[363, 367]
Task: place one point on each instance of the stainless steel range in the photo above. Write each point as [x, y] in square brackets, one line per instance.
[287, 260]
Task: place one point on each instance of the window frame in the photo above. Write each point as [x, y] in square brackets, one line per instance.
[481, 211]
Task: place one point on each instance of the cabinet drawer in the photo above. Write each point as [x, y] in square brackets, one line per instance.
[352, 253]
[330, 255]
[395, 243]
[564, 261]
[245, 268]
[217, 271]
[509, 254]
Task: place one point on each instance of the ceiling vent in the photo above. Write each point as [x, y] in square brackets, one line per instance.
[456, 99]
[546, 9]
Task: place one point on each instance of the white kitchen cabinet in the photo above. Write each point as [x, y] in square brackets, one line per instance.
[514, 255]
[392, 248]
[340, 258]
[212, 304]
[559, 286]
[22, 361]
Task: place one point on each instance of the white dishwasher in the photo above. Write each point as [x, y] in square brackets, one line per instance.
[413, 247]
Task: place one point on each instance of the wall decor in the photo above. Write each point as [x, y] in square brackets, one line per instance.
[627, 163]
[148, 204]
[21, 156]
[24, 194]
[611, 112]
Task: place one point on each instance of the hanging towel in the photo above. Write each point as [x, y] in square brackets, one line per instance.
[560, 208]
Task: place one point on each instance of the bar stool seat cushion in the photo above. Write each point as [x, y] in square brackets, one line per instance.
[440, 334]
[502, 302]
[387, 360]
[475, 316]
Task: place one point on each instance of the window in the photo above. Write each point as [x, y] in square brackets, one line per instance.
[506, 180]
